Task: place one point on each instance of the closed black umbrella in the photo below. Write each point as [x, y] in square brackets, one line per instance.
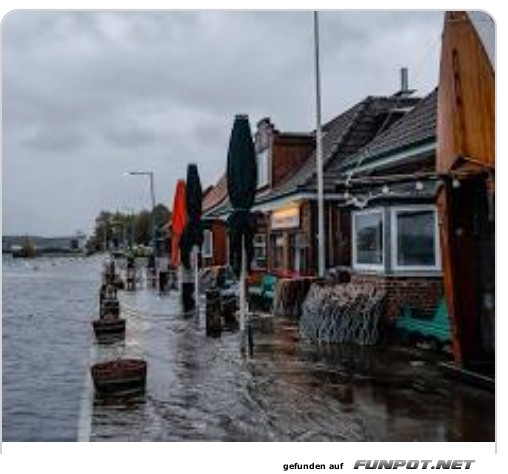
[193, 233]
[242, 185]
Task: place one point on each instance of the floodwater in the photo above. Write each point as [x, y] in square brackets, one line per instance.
[201, 388]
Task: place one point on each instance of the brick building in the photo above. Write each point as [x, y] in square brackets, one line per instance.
[389, 213]
[214, 250]
[286, 242]
[289, 206]
[278, 154]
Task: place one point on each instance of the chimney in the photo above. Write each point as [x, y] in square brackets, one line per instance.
[264, 122]
[404, 81]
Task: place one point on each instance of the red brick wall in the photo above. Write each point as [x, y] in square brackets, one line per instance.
[421, 294]
[219, 245]
[288, 155]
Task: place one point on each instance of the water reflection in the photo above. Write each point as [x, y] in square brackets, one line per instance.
[201, 388]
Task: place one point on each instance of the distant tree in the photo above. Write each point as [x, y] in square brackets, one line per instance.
[162, 215]
[103, 230]
[142, 228]
[111, 229]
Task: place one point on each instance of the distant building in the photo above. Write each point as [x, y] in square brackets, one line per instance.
[46, 245]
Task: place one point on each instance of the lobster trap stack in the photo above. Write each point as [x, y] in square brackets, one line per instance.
[344, 313]
[290, 294]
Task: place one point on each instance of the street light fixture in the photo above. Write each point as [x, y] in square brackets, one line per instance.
[152, 195]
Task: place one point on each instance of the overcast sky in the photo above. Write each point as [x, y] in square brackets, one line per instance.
[88, 96]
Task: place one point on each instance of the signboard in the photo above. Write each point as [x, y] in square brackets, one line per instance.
[287, 218]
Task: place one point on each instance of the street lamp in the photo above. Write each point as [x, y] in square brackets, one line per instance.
[152, 195]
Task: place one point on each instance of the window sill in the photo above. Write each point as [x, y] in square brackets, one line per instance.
[390, 273]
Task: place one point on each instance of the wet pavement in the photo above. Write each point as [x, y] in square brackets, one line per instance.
[201, 388]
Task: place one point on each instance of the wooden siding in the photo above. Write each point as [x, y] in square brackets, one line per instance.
[466, 97]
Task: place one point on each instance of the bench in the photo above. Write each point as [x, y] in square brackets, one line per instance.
[436, 328]
[264, 292]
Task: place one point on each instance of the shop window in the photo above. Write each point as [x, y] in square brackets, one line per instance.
[277, 242]
[368, 239]
[415, 238]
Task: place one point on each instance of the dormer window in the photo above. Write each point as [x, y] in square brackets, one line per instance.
[263, 158]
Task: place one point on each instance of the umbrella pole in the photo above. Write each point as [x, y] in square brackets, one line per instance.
[245, 328]
[242, 292]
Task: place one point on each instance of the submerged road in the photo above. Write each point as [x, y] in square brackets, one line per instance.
[201, 388]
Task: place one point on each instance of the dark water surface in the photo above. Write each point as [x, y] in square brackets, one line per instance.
[47, 305]
[200, 388]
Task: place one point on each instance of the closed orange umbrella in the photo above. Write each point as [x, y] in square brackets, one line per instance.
[178, 221]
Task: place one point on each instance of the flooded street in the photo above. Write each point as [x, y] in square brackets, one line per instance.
[201, 388]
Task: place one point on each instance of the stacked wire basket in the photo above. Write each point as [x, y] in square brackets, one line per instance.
[342, 313]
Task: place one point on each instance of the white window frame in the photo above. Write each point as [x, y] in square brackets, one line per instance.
[262, 244]
[368, 266]
[395, 211]
[267, 160]
[210, 253]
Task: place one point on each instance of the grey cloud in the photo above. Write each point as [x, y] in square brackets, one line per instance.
[88, 95]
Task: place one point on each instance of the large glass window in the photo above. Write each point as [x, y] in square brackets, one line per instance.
[415, 238]
[368, 239]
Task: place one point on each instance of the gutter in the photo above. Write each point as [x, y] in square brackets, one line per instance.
[391, 157]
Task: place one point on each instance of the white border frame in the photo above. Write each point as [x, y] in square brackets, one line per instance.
[259, 245]
[394, 212]
[365, 266]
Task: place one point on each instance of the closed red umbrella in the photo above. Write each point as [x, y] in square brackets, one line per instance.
[178, 221]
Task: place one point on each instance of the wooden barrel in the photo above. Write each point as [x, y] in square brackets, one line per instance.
[119, 376]
[110, 306]
[109, 326]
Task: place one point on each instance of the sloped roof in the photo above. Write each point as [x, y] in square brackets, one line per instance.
[216, 195]
[345, 135]
[416, 127]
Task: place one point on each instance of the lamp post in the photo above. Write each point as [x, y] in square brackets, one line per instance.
[319, 155]
[152, 195]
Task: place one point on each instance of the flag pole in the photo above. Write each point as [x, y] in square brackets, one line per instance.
[319, 155]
